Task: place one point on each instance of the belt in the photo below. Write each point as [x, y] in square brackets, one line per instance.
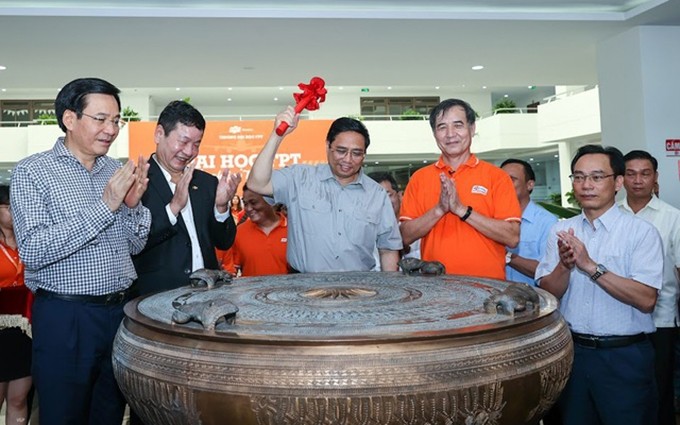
[614, 341]
[109, 299]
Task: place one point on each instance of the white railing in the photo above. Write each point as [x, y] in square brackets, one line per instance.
[515, 111]
[562, 95]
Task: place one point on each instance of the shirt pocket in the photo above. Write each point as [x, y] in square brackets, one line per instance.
[315, 215]
[363, 229]
[616, 262]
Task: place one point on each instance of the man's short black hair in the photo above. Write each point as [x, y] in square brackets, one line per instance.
[73, 96]
[347, 124]
[179, 111]
[447, 104]
[528, 171]
[615, 157]
[383, 176]
[639, 154]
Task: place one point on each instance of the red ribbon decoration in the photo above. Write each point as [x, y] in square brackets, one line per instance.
[312, 94]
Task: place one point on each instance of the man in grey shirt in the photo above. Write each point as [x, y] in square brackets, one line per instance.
[336, 214]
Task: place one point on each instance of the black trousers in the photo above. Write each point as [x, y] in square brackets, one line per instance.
[72, 367]
[663, 341]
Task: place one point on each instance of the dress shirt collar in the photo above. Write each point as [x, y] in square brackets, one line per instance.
[61, 151]
[530, 212]
[653, 204]
[167, 175]
[472, 162]
[325, 173]
[606, 220]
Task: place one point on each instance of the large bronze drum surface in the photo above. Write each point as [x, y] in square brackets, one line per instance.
[342, 348]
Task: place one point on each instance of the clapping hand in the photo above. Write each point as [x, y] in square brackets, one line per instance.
[226, 189]
[572, 251]
[118, 186]
[140, 183]
[181, 197]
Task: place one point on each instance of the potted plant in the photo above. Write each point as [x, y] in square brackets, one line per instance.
[411, 114]
[505, 106]
[128, 114]
[555, 205]
[46, 119]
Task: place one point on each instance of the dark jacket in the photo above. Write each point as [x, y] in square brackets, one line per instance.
[165, 262]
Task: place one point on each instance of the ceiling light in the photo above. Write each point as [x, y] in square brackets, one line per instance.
[4, 89]
[531, 159]
[436, 87]
[276, 99]
[389, 88]
[340, 88]
[424, 161]
[505, 95]
[2, 67]
[557, 156]
[177, 89]
[229, 88]
[229, 99]
[477, 67]
[484, 87]
[280, 88]
[377, 162]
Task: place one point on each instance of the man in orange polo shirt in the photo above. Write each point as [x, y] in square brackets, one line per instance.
[464, 209]
[261, 241]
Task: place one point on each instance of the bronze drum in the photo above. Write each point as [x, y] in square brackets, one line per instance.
[343, 348]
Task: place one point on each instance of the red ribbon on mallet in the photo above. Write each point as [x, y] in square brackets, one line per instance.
[312, 94]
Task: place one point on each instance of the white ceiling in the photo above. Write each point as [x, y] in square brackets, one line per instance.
[258, 46]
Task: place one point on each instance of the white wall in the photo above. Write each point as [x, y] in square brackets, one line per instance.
[572, 116]
[401, 137]
[639, 92]
[18, 143]
[505, 131]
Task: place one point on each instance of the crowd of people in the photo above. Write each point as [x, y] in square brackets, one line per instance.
[81, 234]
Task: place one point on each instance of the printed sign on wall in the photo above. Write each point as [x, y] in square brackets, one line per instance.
[235, 144]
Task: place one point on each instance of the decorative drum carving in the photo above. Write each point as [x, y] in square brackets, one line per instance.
[343, 348]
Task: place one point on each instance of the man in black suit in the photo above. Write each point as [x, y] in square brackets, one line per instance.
[189, 208]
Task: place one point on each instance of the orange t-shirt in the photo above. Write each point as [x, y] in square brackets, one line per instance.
[258, 254]
[463, 249]
[15, 297]
[225, 259]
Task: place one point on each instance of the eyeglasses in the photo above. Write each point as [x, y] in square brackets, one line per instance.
[342, 152]
[117, 122]
[596, 178]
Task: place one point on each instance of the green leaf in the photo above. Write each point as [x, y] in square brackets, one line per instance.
[559, 210]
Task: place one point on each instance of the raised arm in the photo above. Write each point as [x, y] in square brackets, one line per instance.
[260, 178]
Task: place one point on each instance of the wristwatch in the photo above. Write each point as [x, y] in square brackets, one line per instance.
[508, 257]
[599, 271]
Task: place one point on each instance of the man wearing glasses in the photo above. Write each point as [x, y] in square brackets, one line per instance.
[78, 218]
[605, 266]
[336, 214]
[465, 210]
